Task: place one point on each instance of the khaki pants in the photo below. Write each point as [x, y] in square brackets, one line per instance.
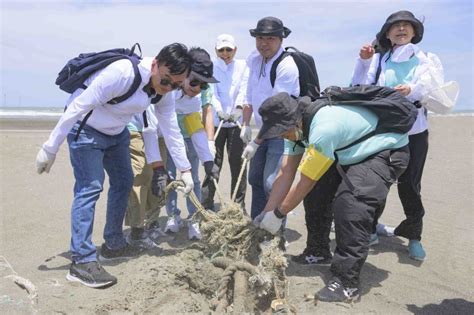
[142, 204]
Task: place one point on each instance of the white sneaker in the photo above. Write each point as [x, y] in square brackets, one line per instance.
[385, 230]
[193, 231]
[173, 224]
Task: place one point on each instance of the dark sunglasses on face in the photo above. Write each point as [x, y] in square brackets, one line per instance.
[167, 82]
[225, 49]
[202, 85]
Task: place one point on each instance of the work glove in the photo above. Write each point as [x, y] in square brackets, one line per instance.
[258, 219]
[159, 181]
[187, 178]
[236, 114]
[44, 161]
[250, 150]
[223, 116]
[272, 221]
[246, 134]
[212, 147]
[211, 169]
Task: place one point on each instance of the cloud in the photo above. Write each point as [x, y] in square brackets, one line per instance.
[38, 37]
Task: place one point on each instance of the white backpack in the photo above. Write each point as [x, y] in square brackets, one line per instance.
[440, 96]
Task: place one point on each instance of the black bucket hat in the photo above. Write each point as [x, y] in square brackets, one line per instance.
[280, 113]
[398, 17]
[270, 26]
[201, 68]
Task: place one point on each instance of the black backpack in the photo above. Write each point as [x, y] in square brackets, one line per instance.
[76, 71]
[394, 111]
[308, 76]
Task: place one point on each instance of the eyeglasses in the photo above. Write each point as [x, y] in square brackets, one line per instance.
[225, 49]
[202, 85]
[167, 82]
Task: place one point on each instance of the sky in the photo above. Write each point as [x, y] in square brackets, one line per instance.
[39, 37]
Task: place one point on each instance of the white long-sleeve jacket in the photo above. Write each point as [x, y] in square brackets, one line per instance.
[366, 69]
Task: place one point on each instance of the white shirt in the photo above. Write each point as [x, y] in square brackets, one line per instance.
[113, 81]
[232, 87]
[188, 105]
[259, 87]
[162, 121]
[366, 69]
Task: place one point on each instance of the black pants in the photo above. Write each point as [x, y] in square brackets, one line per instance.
[318, 211]
[355, 209]
[409, 188]
[235, 147]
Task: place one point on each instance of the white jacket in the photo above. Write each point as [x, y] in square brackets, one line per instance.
[366, 69]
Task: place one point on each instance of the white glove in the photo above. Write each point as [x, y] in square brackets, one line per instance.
[250, 150]
[44, 161]
[187, 178]
[258, 219]
[246, 134]
[223, 116]
[270, 222]
[212, 147]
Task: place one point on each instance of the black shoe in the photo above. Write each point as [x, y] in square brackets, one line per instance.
[126, 252]
[312, 256]
[335, 291]
[90, 274]
[137, 233]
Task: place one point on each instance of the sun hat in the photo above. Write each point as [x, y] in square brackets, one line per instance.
[270, 26]
[280, 113]
[398, 17]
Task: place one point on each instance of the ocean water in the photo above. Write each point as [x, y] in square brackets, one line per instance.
[56, 112]
[31, 112]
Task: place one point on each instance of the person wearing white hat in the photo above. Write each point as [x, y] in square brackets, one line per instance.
[228, 102]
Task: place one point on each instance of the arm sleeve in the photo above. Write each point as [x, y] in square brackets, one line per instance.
[201, 146]
[420, 84]
[242, 95]
[168, 124]
[361, 71]
[287, 78]
[104, 87]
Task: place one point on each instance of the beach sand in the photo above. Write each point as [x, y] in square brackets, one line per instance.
[35, 233]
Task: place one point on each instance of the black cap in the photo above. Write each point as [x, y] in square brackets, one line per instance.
[270, 26]
[280, 113]
[398, 17]
[201, 67]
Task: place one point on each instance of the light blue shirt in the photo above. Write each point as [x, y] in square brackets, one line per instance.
[334, 127]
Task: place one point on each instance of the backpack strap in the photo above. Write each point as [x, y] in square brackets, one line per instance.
[274, 67]
[135, 84]
[379, 70]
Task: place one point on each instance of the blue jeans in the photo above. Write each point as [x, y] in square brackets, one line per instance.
[172, 199]
[90, 155]
[264, 167]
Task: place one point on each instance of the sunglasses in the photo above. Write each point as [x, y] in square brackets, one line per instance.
[225, 49]
[167, 82]
[202, 85]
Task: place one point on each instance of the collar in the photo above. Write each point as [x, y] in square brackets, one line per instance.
[149, 90]
[219, 63]
[279, 52]
[404, 53]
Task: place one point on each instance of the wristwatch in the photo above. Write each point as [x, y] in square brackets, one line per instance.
[278, 214]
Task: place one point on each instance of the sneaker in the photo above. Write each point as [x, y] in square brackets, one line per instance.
[385, 230]
[313, 257]
[126, 252]
[173, 224]
[90, 274]
[415, 250]
[335, 291]
[193, 231]
[146, 242]
[374, 239]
